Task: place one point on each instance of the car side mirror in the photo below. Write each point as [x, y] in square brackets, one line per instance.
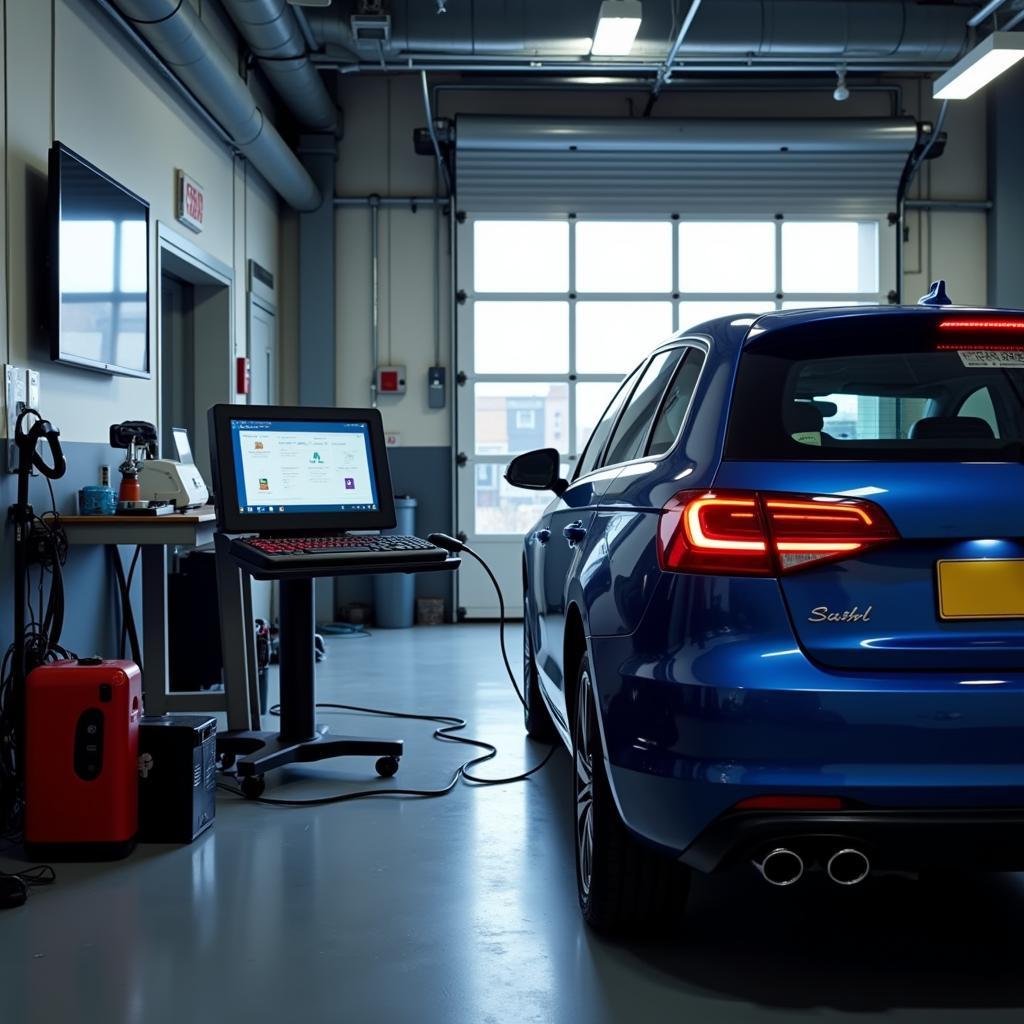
[537, 471]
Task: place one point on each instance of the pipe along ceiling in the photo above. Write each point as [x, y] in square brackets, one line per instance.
[516, 32]
[272, 33]
[180, 39]
[899, 31]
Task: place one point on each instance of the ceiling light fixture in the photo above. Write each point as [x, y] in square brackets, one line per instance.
[989, 59]
[617, 25]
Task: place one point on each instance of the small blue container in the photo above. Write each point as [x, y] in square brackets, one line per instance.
[394, 595]
[96, 500]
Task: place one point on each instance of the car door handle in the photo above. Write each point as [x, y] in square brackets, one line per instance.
[542, 536]
[574, 533]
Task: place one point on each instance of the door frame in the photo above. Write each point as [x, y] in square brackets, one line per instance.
[213, 283]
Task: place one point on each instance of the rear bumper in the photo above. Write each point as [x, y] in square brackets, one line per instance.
[691, 731]
[910, 839]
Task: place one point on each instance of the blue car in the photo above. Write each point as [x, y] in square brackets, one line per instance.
[777, 614]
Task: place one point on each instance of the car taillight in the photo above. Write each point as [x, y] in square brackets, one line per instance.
[755, 534]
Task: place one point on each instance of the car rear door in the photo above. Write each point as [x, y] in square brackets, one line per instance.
[552, 552]
[926, 424]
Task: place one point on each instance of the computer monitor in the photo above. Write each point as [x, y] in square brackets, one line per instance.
[295, 469]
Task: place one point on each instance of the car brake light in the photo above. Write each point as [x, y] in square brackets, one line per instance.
[791, 803]
[985, 324]
[753, 534]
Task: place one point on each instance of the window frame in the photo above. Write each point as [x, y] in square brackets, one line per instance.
[668, 351]
[704, 350]
[629, 382]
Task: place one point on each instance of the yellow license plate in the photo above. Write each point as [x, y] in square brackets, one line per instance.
[987, 588]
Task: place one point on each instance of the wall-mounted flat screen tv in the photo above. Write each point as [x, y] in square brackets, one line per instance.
[99, 263]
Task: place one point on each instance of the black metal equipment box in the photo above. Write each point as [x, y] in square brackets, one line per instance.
[177, 777]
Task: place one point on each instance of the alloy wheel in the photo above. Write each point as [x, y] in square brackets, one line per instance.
[584, 785]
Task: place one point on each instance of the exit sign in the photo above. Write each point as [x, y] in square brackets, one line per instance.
[191, 202]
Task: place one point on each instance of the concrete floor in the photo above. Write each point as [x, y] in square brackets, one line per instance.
[463, 909]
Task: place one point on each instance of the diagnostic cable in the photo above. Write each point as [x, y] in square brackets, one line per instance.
[448, 725]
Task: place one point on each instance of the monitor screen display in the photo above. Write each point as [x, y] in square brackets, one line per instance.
[100, 271]
[284, 466]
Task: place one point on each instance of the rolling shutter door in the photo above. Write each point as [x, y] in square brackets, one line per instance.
[834, 167]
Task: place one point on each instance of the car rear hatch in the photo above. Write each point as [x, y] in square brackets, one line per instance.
[913, 419]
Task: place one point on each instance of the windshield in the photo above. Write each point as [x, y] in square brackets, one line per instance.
[835, 394]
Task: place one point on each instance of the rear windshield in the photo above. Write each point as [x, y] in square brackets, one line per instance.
[941, 395]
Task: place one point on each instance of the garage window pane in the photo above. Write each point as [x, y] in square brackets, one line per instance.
[623, 256]
[726, 256]
[499, 508]
[612, 337]
[692, 313]
[829, 256]
[520, 256]
[592, 399]
[521, 337]
[512, 418]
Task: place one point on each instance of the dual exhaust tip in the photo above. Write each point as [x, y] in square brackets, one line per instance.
[783, 866]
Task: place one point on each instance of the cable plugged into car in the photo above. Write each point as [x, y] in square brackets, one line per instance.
[751, 533]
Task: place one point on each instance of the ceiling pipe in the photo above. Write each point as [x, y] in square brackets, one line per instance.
[182, 41]
[431, 130]
[852, 31]
[665, 71]
[986, 12]
[793, 65]
[174, 83]
[272, 32]
[307, 33]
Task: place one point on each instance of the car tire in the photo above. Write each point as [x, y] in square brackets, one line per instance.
[536, 716]
[624, 886]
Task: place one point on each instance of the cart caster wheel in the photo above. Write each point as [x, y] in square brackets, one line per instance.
[227, 761]
[253, 787]
[386, 766]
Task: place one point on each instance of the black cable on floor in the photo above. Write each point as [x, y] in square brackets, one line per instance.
[449, 725]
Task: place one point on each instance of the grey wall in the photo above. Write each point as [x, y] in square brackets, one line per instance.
[1005, 162]
[66, 73]
[424, 474]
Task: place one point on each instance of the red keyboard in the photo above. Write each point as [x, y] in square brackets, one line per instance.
[334, 551]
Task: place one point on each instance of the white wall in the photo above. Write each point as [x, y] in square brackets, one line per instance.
[72, 78]
[376, 155]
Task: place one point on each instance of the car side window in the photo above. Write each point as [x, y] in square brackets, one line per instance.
[676, 402]
[591, 454]
[980, 406]
[635, 422]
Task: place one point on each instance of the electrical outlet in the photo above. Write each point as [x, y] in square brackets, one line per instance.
[15, 401]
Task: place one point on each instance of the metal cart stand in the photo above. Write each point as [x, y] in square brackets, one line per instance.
[301, 738]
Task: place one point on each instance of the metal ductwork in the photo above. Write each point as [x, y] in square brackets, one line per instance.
[273, 34]
[841, 30]
[173, 29]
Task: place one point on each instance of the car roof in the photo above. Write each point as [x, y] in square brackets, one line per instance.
[742, 327]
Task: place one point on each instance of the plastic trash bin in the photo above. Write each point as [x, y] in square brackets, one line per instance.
[394, 595]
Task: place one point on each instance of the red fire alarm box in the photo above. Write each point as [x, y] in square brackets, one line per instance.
[81, 759]
[390, 380]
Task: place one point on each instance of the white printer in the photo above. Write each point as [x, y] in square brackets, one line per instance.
[179, 482]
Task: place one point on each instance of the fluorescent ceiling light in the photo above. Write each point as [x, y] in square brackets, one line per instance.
[989, 59]
[617, 25]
